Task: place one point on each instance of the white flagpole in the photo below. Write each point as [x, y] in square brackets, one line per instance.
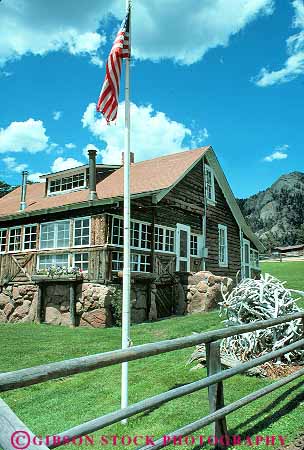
[126, 259]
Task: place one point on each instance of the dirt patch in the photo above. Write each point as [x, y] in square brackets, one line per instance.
[274, 371]
[298, 444]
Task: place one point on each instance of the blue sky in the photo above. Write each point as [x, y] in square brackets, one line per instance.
[223, 72]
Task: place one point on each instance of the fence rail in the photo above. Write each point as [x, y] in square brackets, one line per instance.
[214, 381]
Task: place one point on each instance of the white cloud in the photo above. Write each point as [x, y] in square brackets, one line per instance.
[90, 146]
[57, 115]
[35, 177]
[27, 26]
[153, 133]
[275, 156]
[23, 136]
[63, 164]
[294, 64]
[70, 146]
[185, 30]
[175, 29]
[13, 166]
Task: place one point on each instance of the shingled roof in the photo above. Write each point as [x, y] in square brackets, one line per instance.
[148, 176]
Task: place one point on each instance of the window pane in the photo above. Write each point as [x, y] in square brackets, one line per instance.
[3, 238]
[117, 261]
[14, 243]
[194, 245]
[82, 231]
[47, 261]
[117, 231]
[183, 244]
[30, 237]
[81, 261]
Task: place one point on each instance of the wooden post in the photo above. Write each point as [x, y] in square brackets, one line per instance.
[72, 305]
[40, 304]
[216, 391]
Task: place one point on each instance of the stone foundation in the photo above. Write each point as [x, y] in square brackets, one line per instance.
[97, 305]
[18, 303]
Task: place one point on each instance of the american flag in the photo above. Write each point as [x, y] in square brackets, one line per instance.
[108, 98]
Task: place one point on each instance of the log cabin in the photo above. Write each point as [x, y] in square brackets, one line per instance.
[61, 240]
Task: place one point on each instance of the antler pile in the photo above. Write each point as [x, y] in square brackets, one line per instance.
[253, 300]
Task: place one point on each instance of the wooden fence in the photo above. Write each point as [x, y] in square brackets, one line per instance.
[9, 422]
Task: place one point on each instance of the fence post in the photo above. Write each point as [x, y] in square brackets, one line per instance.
[216, 392]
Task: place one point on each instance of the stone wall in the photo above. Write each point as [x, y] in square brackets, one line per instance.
[18, 303]
[99, 306]
[95, 304]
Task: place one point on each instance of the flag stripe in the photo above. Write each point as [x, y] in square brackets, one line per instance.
[108, 99]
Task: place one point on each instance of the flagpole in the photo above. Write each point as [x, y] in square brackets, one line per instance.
[126, 253]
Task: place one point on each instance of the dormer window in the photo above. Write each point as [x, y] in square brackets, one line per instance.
[67, 183]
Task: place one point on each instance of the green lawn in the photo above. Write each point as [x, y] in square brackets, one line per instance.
[290, 271]
[54, 406]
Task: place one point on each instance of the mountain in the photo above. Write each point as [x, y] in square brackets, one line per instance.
[276, 215]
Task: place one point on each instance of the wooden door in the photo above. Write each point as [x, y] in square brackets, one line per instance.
[164, 299]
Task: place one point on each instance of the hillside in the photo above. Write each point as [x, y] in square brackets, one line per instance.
[276, 215]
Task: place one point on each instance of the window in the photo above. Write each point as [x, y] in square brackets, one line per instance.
[117, 261]
[81, 261]
[254, 259]
[164, 239]
[3, 239]
[14, 242]
[82, 231]
[47, 261]
[139, 262]
[140, 233]
[30, 237]
[223, 246]
[75, 181]
[117, 231]
[194, 245]
[55, 234]
[209, 184]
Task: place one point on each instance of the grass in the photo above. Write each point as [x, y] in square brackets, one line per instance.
[290, 271]
[57, 405]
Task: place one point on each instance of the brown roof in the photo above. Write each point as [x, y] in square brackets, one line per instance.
[146, 176]
[290, 248]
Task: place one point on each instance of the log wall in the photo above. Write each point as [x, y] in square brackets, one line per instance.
[221, 214]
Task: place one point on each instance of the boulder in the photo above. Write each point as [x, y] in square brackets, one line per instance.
[8, 309]
[33, 309]
[205, 292]
[20, 312]
[4, 300]
[96, 318]
[66, 319]
[196, 277]
[3, 318]
[52, 315]
[16, 293]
